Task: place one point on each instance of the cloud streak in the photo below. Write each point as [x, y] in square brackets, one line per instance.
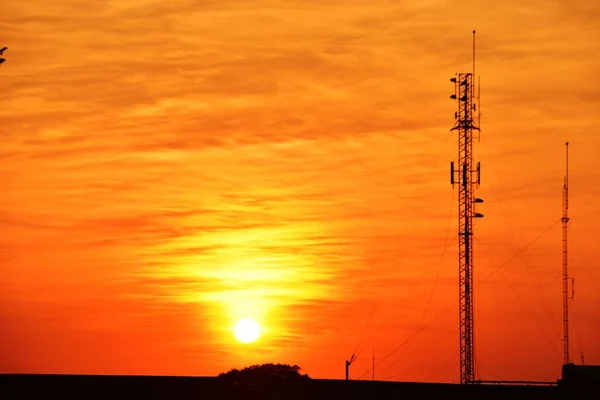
[170, 167]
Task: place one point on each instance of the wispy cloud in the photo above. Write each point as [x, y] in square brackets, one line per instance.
[169, 167]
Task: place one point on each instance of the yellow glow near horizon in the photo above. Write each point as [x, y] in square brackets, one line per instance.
[247, 330]
[291, 169]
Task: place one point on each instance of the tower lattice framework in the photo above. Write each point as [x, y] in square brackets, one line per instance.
[467, 178]
[565, 259]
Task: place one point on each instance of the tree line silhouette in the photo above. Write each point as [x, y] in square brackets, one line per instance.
[263, 373]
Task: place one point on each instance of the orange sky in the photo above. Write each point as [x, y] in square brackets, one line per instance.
[170, 167]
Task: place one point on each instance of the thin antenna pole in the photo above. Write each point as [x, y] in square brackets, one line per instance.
[373, 364]
[565, 220]
[473, 52]
[567, 167]
[478, 104]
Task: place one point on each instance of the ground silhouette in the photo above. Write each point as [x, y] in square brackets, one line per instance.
[263, 373]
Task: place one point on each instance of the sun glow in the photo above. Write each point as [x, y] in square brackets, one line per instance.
[246, 330]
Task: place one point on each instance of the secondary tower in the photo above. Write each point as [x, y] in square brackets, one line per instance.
[565, 274]
[467, 177]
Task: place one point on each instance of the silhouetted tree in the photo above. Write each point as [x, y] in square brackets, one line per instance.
[263, 373]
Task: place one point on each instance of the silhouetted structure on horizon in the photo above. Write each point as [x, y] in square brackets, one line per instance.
[264, 373]
[174, 388]
[467, 178]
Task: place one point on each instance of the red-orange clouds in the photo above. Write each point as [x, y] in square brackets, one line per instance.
[168, 167]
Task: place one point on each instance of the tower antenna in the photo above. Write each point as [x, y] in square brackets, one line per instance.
[565, 259]
[467, 177]
[474, 52]
[477, 106]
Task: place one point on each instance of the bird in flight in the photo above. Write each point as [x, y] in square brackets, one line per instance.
[2, 50]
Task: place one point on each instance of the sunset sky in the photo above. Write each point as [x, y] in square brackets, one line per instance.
[170, 167]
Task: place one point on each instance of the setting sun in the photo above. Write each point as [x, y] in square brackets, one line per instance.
[246, 330]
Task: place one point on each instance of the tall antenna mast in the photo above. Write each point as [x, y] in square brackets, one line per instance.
[565, 276]
[467, 178]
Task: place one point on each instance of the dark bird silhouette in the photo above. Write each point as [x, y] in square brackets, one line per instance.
[2, 50]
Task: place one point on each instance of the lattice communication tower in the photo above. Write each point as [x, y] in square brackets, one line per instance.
[467, 177]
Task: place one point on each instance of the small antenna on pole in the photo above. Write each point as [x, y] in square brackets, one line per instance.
[473, 52]
[567, 167]
[477, 94]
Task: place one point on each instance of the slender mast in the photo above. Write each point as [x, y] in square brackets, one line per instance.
[373, 364]
[565, 274]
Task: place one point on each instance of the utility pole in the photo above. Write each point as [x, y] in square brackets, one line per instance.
[373, 369]
[348, 363]
[467, 177]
